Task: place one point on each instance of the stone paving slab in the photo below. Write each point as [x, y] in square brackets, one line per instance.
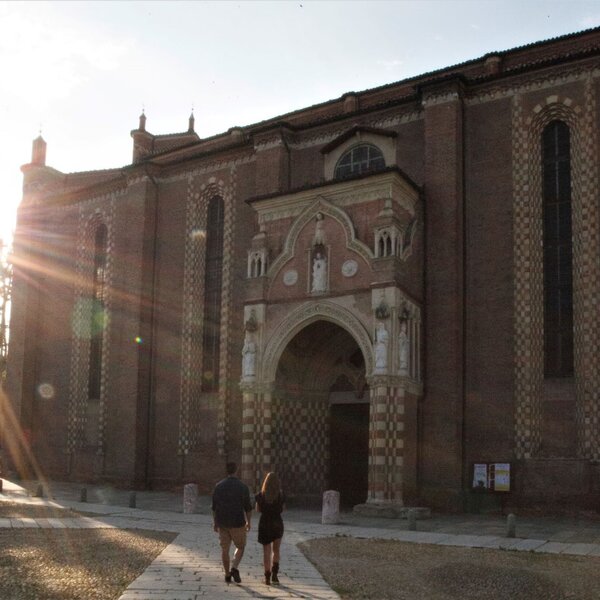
[580, 549]
[521, 544]
[466, 541]
[204, 577]
[16, 523]
[29, 523]
[487, 541]
[56, 523]
[552, 547]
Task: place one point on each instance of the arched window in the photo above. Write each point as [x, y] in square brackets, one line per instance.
[213, 277]
[97, 313]
[360, 159]
[558, 251]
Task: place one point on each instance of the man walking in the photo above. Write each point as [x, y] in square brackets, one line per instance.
[231, 519]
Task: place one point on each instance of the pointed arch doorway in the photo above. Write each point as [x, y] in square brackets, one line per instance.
[320, 416]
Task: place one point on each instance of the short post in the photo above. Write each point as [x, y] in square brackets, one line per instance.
[190, 498]
[83, 495]
[0, 485]
[39, 492]
[331, 508]
[412, 519]
[511, 525]
[132, 500]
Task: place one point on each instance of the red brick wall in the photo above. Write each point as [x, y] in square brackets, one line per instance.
[489, 421]
[441, 456]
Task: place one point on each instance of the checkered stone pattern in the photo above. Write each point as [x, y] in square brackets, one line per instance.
[257, 438]
[528, 289]
[249, 471]
[301, 443]
[386, 443]
[107, 320]
[190, 422]
[90, 218]
[193, 284]
[586, 277]
[227, 348]
[529, 267]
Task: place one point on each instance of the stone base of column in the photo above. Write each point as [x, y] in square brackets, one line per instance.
[390, 510]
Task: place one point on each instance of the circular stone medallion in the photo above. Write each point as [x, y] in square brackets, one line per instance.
[349, 268]
[290, 277]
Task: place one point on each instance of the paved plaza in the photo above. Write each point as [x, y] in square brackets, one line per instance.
[190, 567]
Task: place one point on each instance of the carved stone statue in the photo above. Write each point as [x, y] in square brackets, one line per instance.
[319, 273]
[381, 348]
[319, 239]
[403, 349]
[249, 358]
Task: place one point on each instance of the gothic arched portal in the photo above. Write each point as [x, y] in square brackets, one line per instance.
[320, 416]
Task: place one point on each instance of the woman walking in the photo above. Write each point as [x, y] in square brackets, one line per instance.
[269, 503]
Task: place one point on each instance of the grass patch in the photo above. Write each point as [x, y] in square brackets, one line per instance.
[74, 564]
[361, 569]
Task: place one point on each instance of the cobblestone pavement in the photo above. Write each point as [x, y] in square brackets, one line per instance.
[190, 568]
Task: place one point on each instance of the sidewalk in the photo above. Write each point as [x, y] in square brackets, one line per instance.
[190, 569]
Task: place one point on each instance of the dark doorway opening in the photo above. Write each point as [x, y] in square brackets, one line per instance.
[322, 366]
[349, 452]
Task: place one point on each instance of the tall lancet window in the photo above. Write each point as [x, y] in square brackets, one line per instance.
[558, 251]
[213, 279]
[98, 317]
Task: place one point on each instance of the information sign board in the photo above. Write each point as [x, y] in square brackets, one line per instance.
[492, 477]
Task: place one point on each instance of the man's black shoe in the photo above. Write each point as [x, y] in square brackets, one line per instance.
[236, 575]
[228, 578]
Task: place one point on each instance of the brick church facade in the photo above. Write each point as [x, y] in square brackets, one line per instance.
[373, 294]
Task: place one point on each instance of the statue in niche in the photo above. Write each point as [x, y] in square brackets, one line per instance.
[249, 358]
[381, 347]
[382, 311]
[251, 324]
[319, 238]
[404, 348]
[319, 273]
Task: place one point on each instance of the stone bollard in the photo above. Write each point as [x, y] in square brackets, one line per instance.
[83, 495]
[0, 486]
[511, 526]
[331, 508]
[190, 498]
[132, 500]
[412, 519]
[39, 492]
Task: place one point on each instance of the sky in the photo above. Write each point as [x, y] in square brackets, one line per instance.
[81, 72]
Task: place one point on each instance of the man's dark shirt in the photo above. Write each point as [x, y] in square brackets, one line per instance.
[230, 502]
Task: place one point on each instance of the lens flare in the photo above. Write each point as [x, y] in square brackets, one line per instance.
[89, 318]
[46, 391]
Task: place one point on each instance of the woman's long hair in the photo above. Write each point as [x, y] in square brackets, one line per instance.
[270, 488]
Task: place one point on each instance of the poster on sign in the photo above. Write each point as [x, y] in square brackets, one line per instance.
[492, 477]
[480, 477]
[502, 477]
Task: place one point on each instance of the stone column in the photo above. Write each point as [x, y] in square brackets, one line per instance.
[256, 434]
[386, 441]
[249, 404]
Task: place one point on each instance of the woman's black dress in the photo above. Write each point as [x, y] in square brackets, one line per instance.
[270, 526]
